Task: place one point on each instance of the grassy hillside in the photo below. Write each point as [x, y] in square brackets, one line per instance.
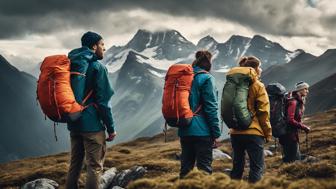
[160, 159]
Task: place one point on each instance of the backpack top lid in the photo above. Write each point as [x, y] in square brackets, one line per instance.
[248, 71]
[180, 69]
[275, 89]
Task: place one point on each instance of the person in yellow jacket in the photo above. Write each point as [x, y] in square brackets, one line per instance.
[253, 138]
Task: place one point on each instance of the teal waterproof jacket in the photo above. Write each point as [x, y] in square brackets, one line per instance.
[205, 94]
[93, 76]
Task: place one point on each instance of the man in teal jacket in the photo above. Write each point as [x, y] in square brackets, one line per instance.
[198, 138]
[89, 80]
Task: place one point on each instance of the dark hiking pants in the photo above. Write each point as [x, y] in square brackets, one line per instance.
[196, 149]
[254, 146]
[290, 149]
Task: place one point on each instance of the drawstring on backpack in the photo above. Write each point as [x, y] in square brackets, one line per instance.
[276, 146]
[177, 102]
[55, 131]
[165, 131]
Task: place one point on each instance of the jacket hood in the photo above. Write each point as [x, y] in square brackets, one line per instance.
[198, 69]
[83, 53]
[245, 70]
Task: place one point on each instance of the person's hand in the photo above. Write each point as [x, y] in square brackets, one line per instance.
[217, 143]
[111, 136]
[268, 138]
[306, 129]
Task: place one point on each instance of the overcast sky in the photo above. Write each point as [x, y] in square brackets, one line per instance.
[32, 29]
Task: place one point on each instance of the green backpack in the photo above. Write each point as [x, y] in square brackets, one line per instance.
[234, 109]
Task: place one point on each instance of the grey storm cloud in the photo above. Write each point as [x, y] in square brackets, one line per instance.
[39, 16]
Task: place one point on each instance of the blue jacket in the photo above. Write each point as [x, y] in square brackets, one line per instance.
[96, 117]
[204, 93]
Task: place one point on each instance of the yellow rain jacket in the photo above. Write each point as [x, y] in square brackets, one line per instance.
[258, 104]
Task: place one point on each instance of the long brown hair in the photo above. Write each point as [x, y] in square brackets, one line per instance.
[249, 61]
[203, 59]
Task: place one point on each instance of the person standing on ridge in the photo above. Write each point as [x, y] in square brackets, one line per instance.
[87, 134]
[198, 139]
[245, 110]
[295, 110]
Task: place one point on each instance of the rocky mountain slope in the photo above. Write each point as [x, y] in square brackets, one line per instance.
[162, 164]
[24, 131]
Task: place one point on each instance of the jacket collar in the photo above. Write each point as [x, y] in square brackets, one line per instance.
[198, 69]
[83, 52]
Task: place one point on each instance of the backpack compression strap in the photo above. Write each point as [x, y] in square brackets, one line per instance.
[200, 106]
[88, 95]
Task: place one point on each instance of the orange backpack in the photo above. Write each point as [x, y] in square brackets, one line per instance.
[175, 103]
[54, 91]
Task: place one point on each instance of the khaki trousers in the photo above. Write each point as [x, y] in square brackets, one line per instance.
[92, 146]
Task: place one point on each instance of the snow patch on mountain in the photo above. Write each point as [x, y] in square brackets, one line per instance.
[149, 41]
[246, 48]
[161, 75]
[215, 54]
[119, 60]
[238, 54]
[149, 52]
[163, 64]
[223, 69]
[291, 55]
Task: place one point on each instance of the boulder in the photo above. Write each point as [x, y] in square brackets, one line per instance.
[42, 183]
[117, 187]
[309, 159]
[218, 154]
[107, 178]
[268, 153]
[227, 171]
[124, 177]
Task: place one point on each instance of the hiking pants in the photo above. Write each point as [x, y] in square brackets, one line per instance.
[290, 149]
[92, 146]
[196, 149]
[254, 145]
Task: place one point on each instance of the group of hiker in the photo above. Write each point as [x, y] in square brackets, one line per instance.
[190, 102]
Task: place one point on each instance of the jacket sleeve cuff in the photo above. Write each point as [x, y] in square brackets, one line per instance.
[110, 129]
[216, 133]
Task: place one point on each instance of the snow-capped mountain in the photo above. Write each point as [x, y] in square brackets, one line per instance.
[162, 48]
[169, 45]
[226, 55]
[137, 102]
[137, 72]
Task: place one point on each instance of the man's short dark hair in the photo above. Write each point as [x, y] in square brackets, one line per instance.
[90, 38]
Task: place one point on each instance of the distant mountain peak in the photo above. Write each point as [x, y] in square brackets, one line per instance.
[328, 52]
[207, 42]
[300, 51]
[235, 38]
[5, 64]
[259, 37]
[165, 39]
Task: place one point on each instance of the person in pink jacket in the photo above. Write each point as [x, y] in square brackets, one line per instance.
[295, 110]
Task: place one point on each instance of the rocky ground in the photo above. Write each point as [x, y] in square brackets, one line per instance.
[162, 164]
